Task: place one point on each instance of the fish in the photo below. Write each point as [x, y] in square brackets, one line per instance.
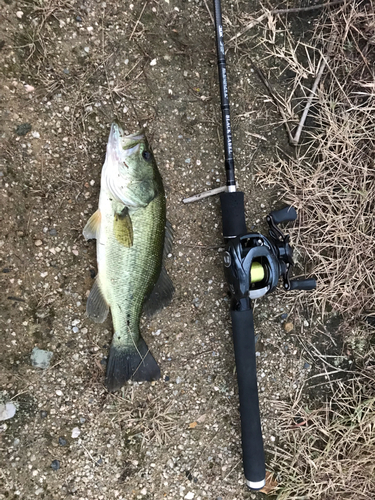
[133, 238]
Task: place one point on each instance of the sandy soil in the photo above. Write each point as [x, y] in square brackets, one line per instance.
[68, 69]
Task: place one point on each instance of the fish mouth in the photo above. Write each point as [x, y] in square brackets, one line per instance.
[126, 142]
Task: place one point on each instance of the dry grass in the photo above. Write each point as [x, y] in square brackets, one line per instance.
[151, 421]
[326, 450]
[329, 453]
[331, 179]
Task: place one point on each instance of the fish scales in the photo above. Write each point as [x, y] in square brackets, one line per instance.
[131, 272]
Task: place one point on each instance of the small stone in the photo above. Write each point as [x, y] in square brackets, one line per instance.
[75, 329]
[40, 358]
[288, 327]
[306, 366]
[153, 62]
[35, 134]
[79, 19]
[55, 465]
[178, 380]
[284, 315]
[38, 243]
[7, 411]
[62, 441]
[53, 232]
[43, 414]
[23, 129]
[167, 378]
[189, 496]
[143, 491]
[59, 393]
[305, 323]
[19, 14]
[29, 88]
[75, 252]
[76, 432]
[66, 71]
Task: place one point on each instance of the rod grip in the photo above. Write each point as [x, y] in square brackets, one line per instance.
[286, 214]
[252, 442]
[233, 214]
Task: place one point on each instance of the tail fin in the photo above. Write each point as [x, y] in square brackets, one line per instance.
[128, 362]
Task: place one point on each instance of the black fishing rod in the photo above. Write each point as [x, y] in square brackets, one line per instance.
[253, 265]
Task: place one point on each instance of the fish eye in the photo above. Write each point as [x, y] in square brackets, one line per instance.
[147, 155]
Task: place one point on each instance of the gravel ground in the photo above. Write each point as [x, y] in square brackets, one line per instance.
[67, 69]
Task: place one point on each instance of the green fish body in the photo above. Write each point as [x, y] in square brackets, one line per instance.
[131, 232]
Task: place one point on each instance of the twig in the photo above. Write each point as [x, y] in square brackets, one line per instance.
[208, 10]
[276, 12]
[136, 24]
[307, 9]
[295, 140]
[268, 86]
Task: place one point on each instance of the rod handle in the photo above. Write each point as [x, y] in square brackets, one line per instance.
[286, 214]
[252, 442]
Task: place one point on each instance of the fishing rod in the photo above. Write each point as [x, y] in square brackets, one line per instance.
[253, 265]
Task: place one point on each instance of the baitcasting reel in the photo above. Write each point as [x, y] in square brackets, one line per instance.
[254, 264]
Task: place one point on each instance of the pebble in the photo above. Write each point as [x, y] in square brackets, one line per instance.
[38, 243]
[305, 323]
[153, 62]
[19, 14]
[35, 134]
[40, 358]
[62, 441]
[29, 88]
[53, 232]
[288, 327]
[76, 432]
[7, 411]
[306, 366]
[196, 302]
[189, 496]
[55, 465]
[178, 380]
[75, 329]
[59, 393]
[23, 129]
[43, 414]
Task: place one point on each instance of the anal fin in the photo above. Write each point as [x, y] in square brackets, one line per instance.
[97, 308]
[160, 296]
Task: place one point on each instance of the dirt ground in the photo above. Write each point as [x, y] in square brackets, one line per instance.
[68, 69]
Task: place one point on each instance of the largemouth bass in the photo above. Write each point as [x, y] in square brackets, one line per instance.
[132, 235]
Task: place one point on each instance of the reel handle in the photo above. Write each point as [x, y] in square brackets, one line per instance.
[286, 214]
[252, 442]
[302, 284]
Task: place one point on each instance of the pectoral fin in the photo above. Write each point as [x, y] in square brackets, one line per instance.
[92, 227]
[123, 228]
